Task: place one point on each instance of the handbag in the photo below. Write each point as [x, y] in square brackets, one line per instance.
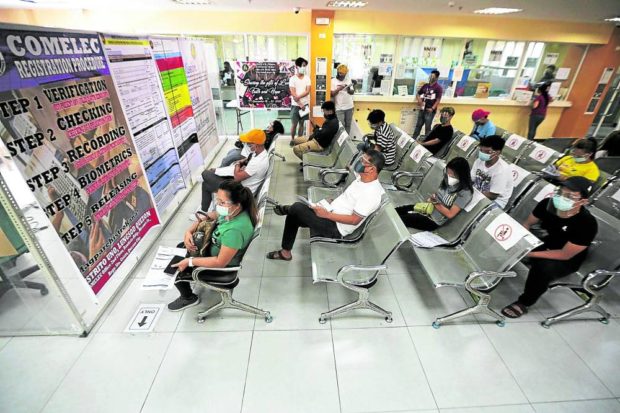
[202, 237]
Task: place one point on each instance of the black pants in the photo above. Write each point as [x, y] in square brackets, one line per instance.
[542, 272]
[302, 216]
[182, 282]
[210, 184]
[415, 220]
[535, 120]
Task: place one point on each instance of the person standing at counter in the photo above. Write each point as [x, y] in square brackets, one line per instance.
[299, 85]
[539, 109]
[342, 95]
[429, 97]
[483, 127]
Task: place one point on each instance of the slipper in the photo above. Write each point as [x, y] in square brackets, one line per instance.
[275, 255]
[514, 310]
[281, 210]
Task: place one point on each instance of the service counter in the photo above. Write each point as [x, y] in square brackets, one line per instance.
[507, 114]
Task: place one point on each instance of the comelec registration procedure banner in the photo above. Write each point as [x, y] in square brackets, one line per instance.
[63, 125]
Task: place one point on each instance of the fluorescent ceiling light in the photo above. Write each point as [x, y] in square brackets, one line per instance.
[199, 2]
[347, 4]
[613, 19]
[497, 10]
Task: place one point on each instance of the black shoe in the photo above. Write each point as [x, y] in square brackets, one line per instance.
[281, 209]
[183, 303]
[291, 143]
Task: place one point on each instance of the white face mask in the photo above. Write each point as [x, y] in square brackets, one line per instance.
[301, 70]
[452, 181]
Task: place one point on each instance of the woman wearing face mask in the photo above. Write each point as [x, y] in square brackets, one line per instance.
[235, 216]
[442, 133]
[453, 194]
[579, 162]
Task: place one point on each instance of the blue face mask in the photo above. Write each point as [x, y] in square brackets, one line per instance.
[359, 167]
[562, 203]
[485, 157]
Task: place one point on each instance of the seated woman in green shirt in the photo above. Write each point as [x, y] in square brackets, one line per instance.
[236, 217]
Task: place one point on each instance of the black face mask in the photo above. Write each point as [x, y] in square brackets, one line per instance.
[331, 116]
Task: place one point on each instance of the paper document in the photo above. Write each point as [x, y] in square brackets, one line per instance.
[322, 203]
[426, 239]
[156, 278]
[226, 170]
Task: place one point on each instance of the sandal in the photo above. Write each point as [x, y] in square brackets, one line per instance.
[281, 209]
[275, 255]
[514, 310]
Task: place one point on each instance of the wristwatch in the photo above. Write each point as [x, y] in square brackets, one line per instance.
[191, 264]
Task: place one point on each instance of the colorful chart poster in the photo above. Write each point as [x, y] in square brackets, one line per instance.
[194, 55]
[264, 84]
[63, 125]
[138, 83]
[179, 103]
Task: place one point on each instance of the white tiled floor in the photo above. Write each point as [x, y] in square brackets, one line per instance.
[356, 363]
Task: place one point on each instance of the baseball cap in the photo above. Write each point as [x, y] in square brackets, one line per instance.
[256, 136]
[479, 114]
[579, 184]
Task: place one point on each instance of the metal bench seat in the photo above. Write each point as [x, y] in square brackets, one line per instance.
[327, 158]
[333, 174]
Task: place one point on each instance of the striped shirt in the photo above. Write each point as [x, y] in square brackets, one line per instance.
[387, 141]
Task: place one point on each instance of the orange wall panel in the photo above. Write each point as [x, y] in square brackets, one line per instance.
[321, 45]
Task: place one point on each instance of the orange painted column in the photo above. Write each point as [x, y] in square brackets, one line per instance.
[321, 43]
[574, 122]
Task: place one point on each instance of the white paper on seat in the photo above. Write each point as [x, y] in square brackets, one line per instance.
[226, 170]
[343, 136]
[156, 278]
[547, 192]
[518, 174]
[465, 142]
[476, 197]
[426, 239]
[541, 153]
[515, 141]
[417, 153]
[506, 231]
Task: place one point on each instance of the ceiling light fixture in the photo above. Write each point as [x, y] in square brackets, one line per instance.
[347, 4]
[497, 10]
[195, 2]
[613, 19]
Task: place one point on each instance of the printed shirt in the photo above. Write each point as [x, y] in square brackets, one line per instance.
[430, 94]
[497, 179]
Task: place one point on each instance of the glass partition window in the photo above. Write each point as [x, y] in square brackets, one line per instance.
[267, 47]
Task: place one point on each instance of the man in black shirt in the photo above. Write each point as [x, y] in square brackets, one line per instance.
[571, 229]
[441, 133]
[322, 137]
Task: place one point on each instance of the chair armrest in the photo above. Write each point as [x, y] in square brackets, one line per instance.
[354, 267]
[589, 282]
[396, 176]
[324, 173]
[472, 277]
[198, 270]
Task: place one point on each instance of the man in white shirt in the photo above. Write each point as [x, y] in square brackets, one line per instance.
[250, 171]
[492, 175]
[340, 217]
[299, 85]
[342, 95]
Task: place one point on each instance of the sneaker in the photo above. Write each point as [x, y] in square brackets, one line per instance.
[183, 303]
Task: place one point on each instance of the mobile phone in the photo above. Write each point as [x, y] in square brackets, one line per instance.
[175, 260]
[201, 215]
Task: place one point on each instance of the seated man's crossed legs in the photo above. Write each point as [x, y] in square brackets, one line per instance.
[303, 144]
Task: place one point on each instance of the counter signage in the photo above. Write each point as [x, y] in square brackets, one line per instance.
[63, 125]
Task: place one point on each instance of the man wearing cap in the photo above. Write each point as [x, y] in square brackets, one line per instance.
[249, 171]
[442, 132]
[571, 229]
[428, 98]
[322, 137]
[342, 95]
[483, 127]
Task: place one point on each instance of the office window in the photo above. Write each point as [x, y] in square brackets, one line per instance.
[269, 47]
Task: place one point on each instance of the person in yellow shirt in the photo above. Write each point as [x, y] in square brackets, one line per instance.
[579, 162]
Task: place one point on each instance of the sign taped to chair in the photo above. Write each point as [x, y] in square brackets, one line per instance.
[343, 136]
[402, 141]
[541, 153]
[616, 196]
[465, 142]
[515, 141]
[506, 231]
[417, 153]
[546, 192]
[518, 174]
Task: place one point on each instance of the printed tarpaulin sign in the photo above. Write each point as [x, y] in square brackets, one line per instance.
[264, 84]
[62, 122]
[506, 231]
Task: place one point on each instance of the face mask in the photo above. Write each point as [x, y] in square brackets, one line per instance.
[340, 77]
[485, 157]
[580, 159]
[562, 203]
[373, 126]
[301, 70]
[452, 181]
[359, 167]
[443, 118]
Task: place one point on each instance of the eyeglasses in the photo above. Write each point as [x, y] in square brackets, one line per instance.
[568, 195]
[222, 203]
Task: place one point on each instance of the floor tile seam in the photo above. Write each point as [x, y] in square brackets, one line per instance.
[247, 370]
[575, 401]
[331, 334]
[430, 388]
[161, 362]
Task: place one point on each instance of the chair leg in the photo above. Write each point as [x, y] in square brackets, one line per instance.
[591, 305]
[362, 303]
[279, 156]
[482, 307]
[228, 302]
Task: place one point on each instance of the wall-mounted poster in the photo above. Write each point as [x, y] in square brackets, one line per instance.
[179, 103]
[62, 123]
[137, 80]
[264, 84]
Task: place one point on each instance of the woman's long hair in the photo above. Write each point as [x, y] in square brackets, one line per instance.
[544, 92]
[460, 167]
[243, 196]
